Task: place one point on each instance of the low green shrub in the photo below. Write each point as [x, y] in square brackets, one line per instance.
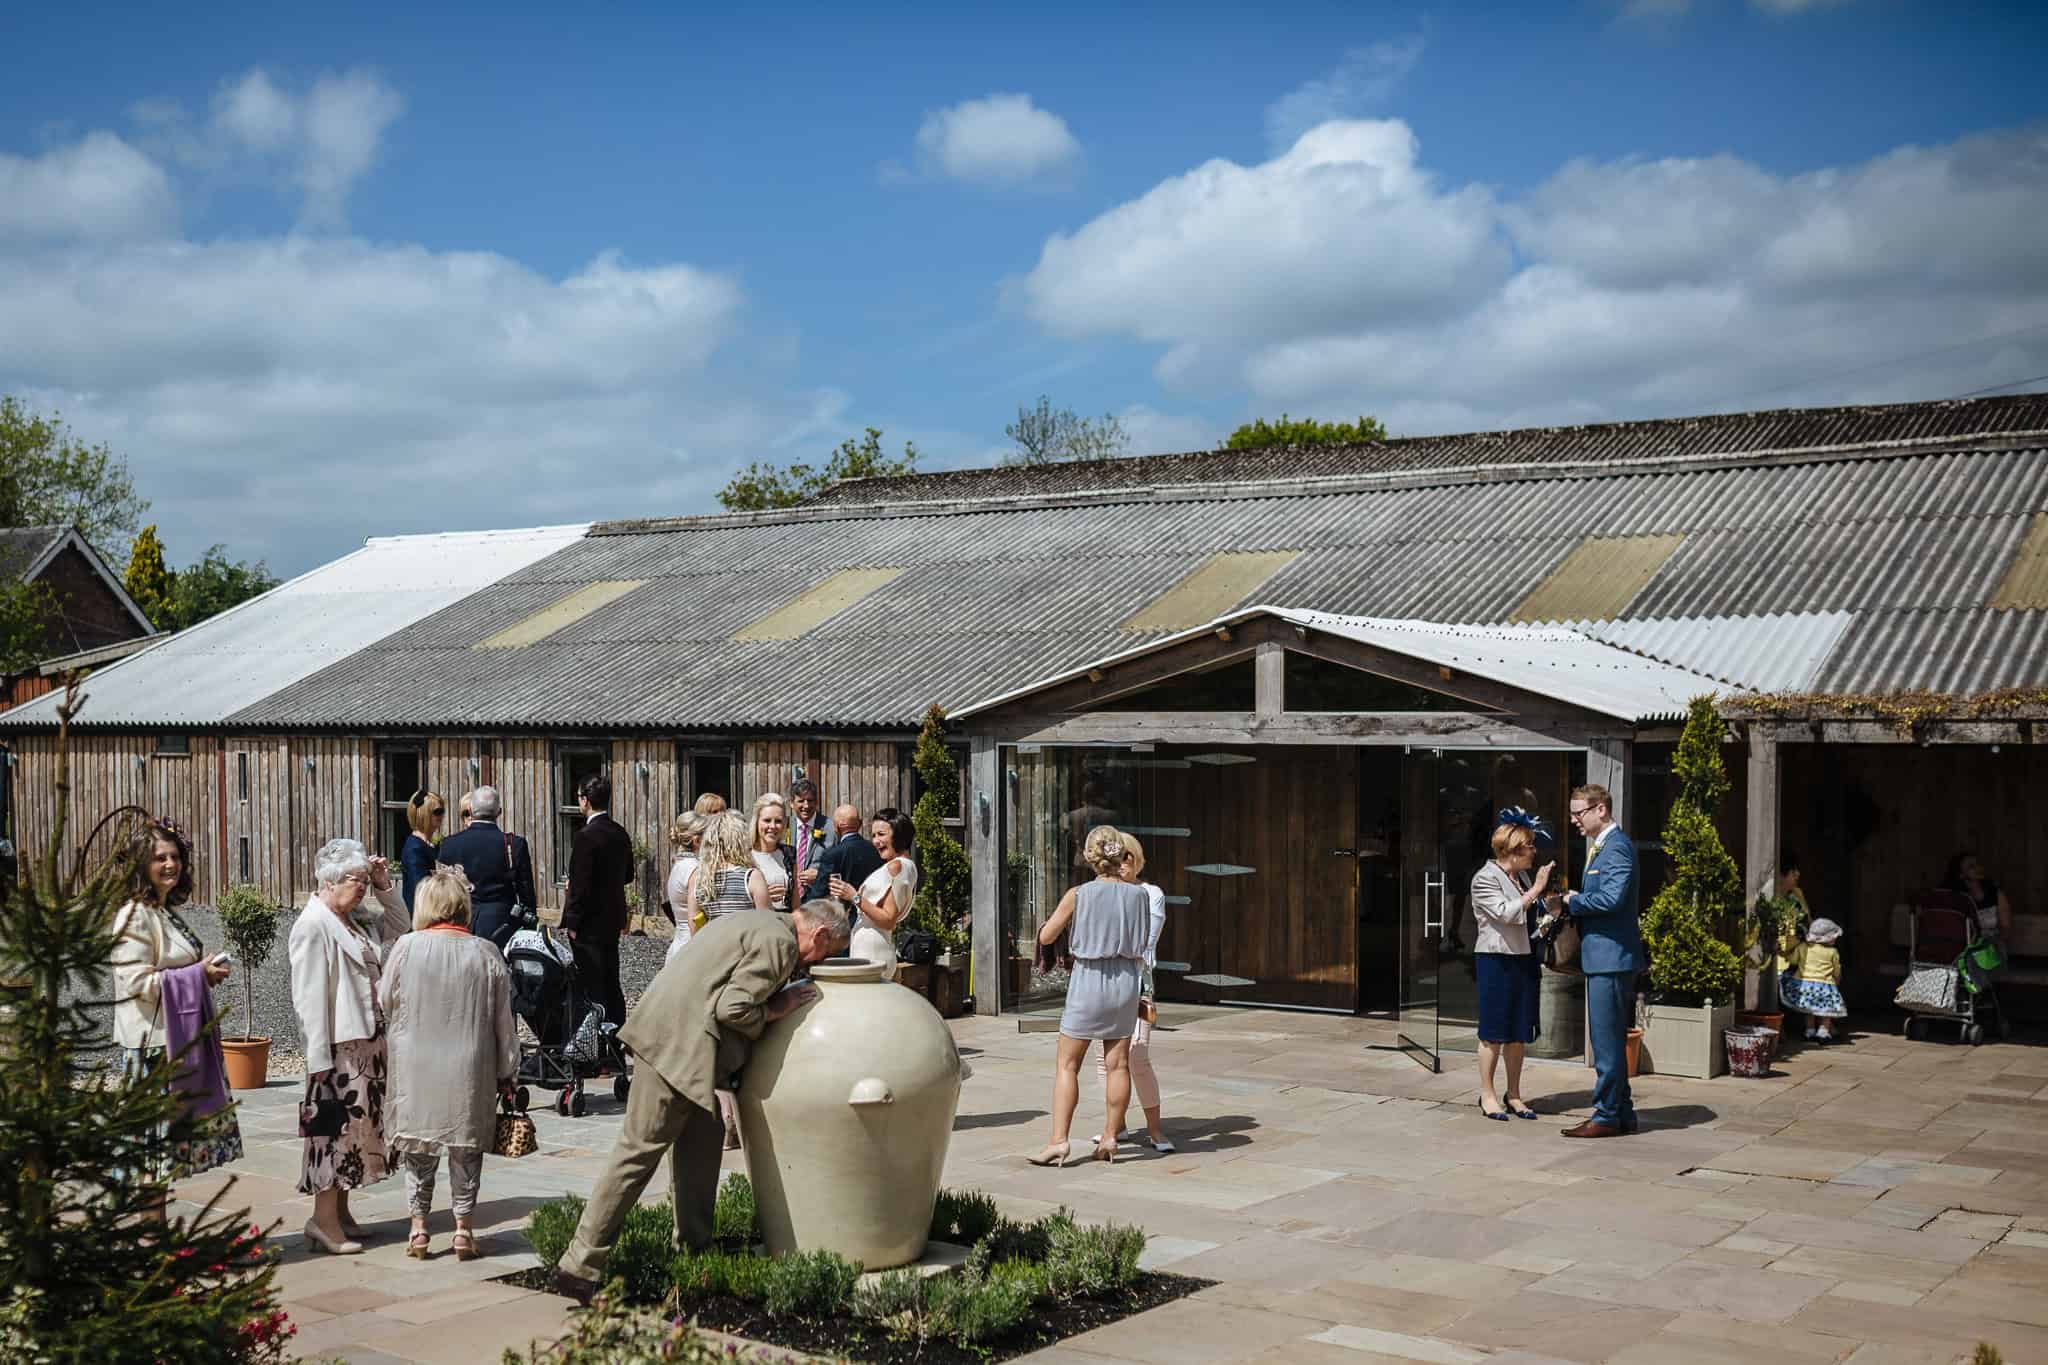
[1013, 1241]
[963, 1217]
[1091, 1259]
[734, 1218]
[970, 1308]
[717, 1273]
[549, 1228]
[809, 1284]
[641, 1257]
[894, 1299]
[611, 1333]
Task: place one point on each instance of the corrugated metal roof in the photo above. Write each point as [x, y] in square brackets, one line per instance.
[817, 604]
[2026, 582]
[1763, 653]
[1738, 433]
[1217, 584]
[1597, 580]
[560, 614]
[252, 651]
[1552, 661]
[1940, 651]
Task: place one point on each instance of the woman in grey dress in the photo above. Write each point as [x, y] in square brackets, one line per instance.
[1108, 922]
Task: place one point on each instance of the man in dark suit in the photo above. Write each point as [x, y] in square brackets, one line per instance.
[499, 867]
[1610, 952]
[810, 834]
[851, 857]
[594, 911]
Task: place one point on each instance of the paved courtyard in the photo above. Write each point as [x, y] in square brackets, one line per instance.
[1884, 1203]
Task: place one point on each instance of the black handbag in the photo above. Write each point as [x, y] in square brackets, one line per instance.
[918, 947]
[323, 1118]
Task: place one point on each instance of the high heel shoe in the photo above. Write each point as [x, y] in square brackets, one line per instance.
[1500, 1114]
[418, 1246]
[320, 1241]
[1055, 1154]
[1106, 1151]
[465, 1245]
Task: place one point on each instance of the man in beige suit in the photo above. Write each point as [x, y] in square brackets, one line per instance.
[689, 1032]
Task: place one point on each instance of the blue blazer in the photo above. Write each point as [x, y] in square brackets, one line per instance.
[1610, 940]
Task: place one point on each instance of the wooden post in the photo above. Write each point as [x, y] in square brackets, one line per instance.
[1270, 674]
[984, 851]
[1760, 848]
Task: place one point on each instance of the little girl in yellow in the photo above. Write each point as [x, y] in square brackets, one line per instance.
[1813, 983]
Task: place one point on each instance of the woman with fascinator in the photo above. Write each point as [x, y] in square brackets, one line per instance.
[1508, 972]
[162, 1006]
[1108, 921]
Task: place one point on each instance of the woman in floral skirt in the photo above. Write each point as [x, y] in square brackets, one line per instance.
[335, 969]
[162, 973]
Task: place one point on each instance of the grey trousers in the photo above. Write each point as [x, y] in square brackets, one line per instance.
[659, 1122]
[465, 1173]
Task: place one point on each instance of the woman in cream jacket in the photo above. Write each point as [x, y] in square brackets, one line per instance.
[336, 962]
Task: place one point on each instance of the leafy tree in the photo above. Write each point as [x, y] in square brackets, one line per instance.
[764, 487]
[944, 905]
[1045, 435]
[1306, 431]
[25, 610]
[89, 1275]
[148, 581]
[1688, 924]
[50, 478]
[211, 586]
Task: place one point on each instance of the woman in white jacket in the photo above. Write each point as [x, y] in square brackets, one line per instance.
[335, 967]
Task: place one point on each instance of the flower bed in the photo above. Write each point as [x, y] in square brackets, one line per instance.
[1023, 1287]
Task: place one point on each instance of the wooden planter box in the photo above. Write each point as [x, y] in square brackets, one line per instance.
[1685, 1040]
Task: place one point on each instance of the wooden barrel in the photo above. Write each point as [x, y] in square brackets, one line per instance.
[1561, 1016]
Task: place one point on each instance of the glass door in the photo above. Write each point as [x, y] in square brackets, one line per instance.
[1423, 906]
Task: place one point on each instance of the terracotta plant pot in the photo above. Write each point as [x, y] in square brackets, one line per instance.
[1635, 1049]
[846, 1109]
[248, 1062]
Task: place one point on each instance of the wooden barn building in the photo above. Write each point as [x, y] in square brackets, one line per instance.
[1306, 677]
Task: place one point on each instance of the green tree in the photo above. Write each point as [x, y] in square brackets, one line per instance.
[1046, 435]
[211, 586]
[25, 610]
[944, 905]
[1306, 431]
[50, 478]
[148, 581]
[1690, 923]
[88, 1275]
[765, 487]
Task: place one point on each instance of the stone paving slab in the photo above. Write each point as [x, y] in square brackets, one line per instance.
[1880, 1202]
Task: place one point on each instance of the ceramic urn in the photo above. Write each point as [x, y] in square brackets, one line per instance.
[846, 1108]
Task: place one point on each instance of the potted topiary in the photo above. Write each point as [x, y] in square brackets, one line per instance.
[945, 895]
[248, 919]
[1694, 973]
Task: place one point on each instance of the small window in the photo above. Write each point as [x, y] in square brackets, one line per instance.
[174, 745]
[703, 770]
[573, 764]
[400, 770]
[242, 858]
[242, 775]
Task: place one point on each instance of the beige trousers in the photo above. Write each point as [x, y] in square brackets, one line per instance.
[659, 1122]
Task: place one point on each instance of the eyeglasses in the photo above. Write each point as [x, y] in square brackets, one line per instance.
[358, 878]
[1579, 812]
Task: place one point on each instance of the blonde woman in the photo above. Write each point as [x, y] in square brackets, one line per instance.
[425, 813]
[447, 1001]
[1144, 1079]
[771, 818]
[1109, 920]
[1505, 966]
[709, 803]
[685, 834]
[724, 881]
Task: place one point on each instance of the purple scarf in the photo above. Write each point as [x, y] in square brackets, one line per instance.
[201, 1073]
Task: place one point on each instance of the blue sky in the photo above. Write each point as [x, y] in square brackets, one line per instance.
[326, 275]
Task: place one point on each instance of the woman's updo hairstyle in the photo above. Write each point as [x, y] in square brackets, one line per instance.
[1105, 849]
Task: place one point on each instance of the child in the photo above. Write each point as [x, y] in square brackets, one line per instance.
[1813, 983]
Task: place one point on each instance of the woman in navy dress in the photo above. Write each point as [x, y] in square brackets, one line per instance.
[425, 813]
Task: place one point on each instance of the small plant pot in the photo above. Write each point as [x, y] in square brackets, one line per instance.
[1759, 1019]
[248, 1062]
[1635, 1050]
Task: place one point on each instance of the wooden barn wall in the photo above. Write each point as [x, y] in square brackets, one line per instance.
[1872, 823]
[864, 772]
[449, 773]
[525, 778]
[332, 785]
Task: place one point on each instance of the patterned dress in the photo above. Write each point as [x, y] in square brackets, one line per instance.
[356, 1157]
[212, 1141]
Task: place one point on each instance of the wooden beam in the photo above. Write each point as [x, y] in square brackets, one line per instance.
[984, 815]
[1450, 729]
[1271, 687]
[1764, 820]
[1607, 761]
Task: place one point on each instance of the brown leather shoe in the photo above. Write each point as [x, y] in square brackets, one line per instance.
[575, 1287]
[1590, 1129]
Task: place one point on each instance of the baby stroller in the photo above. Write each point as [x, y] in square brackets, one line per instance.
[1947, 967]
[573, 1038]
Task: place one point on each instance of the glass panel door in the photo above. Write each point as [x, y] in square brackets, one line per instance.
[1423, 906]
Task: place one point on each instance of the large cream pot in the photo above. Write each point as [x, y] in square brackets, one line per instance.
[846, 1107]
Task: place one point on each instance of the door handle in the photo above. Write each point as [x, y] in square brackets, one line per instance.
[1433, 923]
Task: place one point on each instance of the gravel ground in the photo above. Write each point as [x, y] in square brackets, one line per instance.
[639, 959]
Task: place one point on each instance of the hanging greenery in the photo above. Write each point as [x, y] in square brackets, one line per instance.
[89, 1275]
[1690, 926]
[944, 905]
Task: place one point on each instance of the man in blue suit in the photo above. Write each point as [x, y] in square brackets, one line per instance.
[1610, 952]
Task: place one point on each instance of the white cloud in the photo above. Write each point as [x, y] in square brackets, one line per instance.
[1153, 432]
[1003, 140]
[1350, 280]
[1366, 78]
[98, 187]
[1653, 10]
[291, 395]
